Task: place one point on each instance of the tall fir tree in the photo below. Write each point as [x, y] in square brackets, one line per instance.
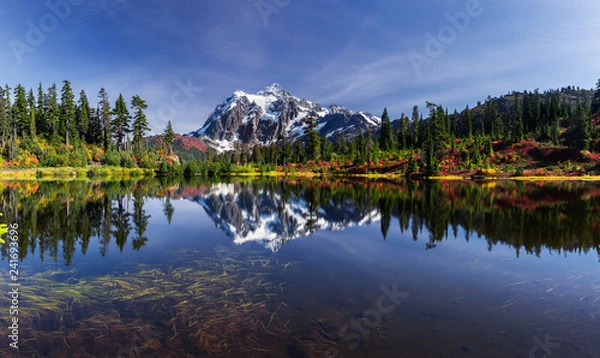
[53, 114]
[67, 112]
[455, 124]
[41, 124]
[580, 132]
[469, 123]
[492, 119]
[555, 129]
[94, 133]
[516, 126]
[169, 137]
[386, 135]
[429, 151]
[120, 123]
[83, 114]
[437, 128]
[404, 133]
[140, 123]
[298, 152]
[313, 140]
[285, 151]
[32, 114]
[416, 121]
[104, 117]
[361, 147]
[20, 111]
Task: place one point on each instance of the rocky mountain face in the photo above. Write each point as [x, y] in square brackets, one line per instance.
[273, 113]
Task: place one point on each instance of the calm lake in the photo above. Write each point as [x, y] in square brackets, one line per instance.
[302, 268]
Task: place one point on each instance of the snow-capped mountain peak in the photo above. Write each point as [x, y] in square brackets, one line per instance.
[273, 90]
[246, 119]
[334, 108]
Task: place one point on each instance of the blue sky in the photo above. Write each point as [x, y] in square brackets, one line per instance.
[185, 57]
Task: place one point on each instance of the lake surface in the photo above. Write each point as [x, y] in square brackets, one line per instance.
[303, 268]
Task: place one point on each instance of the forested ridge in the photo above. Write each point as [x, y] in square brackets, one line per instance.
[51, 127]
[556, 131]
[535, 132]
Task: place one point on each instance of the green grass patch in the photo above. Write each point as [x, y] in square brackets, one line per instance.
[101, 172]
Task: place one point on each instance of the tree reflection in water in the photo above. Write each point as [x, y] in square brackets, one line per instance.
[54, 215]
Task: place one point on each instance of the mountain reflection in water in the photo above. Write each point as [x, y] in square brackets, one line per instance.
[530, 217]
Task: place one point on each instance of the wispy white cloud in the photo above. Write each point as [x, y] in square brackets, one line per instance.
[481, 61]
[350, 53]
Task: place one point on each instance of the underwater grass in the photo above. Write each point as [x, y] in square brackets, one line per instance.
[211, 308]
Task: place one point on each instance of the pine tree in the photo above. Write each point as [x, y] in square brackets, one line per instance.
[41, 123]
[555, 129]
[372, 150]
[285, 152]
[429, 149]
[340, 144]
[416, 121]
[83, 113]
[516, 126]
[67, 112]
[437, 128]
[469, 124]
[20, 112]
[120, 123]
[94, 133]
[455, 130]
[431, 163]
[169, 136]
[32, 114]
[104, 116]
[580, 131]
[361, 148]
[492, 119]
[298, 152]
[403, 133]
[313, 140]
[258, 155]
[140, 123]
[386, 135]
[53, 114]
[487, 118]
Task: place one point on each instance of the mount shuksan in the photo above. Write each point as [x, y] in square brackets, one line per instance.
[246, 119]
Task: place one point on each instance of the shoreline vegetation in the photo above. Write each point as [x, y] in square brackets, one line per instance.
[68, 173]
[112, 173]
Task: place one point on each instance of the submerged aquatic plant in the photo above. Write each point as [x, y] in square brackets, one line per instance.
[208, 307]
